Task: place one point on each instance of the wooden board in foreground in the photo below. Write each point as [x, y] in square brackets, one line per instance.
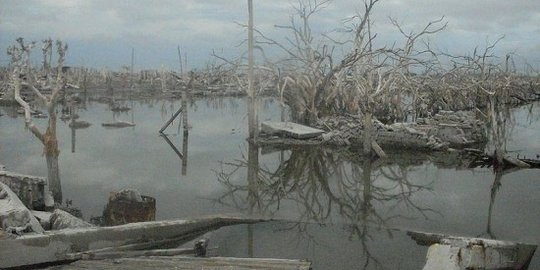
[181, 262]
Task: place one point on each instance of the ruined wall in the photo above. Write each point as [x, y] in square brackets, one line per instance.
[31, 190]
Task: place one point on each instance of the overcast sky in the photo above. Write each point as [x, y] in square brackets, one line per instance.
[101, 33]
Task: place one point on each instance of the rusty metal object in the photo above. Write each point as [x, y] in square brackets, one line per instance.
[128, 207]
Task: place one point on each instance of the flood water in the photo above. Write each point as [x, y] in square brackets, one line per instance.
[343, 212]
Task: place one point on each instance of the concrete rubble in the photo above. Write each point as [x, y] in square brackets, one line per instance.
[444, 130]
[31, 190]
[447, 252]
[63, 220]
[15, 218]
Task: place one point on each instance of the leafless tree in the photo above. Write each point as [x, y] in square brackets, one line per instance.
[39, 81]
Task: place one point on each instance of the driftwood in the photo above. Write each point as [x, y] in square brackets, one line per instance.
[55, 246]
[453, 252]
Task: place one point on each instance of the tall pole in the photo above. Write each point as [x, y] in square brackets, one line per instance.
[252, 113]
[251, 60]
[180, 60]
[131, 71]
[253, 152]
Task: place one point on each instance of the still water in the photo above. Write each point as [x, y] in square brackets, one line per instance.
[343, 212]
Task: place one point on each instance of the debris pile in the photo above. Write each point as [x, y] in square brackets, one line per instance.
[460, 129]
[342, 130]
[445, 129]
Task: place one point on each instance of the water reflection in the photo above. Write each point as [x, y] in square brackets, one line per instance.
[182, 155]
[320, 180]
[325, 184]
[365, 194]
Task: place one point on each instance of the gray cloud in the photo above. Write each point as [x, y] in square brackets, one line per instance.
[200, 26]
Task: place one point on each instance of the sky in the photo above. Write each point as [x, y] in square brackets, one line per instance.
[102, 33]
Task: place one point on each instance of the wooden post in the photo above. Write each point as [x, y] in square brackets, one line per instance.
[186, 124]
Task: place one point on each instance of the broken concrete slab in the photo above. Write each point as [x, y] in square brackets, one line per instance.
[63, 220]
[33, 191]
[290, 129]
[55, 246]
[454, 252]
[44, 218]
[14, 216]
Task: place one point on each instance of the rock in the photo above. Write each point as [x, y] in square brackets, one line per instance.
[14, 216]
[442, 257]
[44, 218]
[63, 220]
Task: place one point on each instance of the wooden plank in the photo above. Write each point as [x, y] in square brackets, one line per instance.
[54, 246]
[181, 262]
[290, 129]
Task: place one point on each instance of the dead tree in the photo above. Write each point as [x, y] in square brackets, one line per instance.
[37, 81]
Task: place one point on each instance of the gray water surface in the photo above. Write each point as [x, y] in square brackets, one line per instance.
[343, 212]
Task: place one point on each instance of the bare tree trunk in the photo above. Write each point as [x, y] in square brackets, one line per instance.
[368, 132]
[51, 155]
[53, 175]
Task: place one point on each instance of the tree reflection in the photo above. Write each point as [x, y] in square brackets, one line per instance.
[324, 184]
